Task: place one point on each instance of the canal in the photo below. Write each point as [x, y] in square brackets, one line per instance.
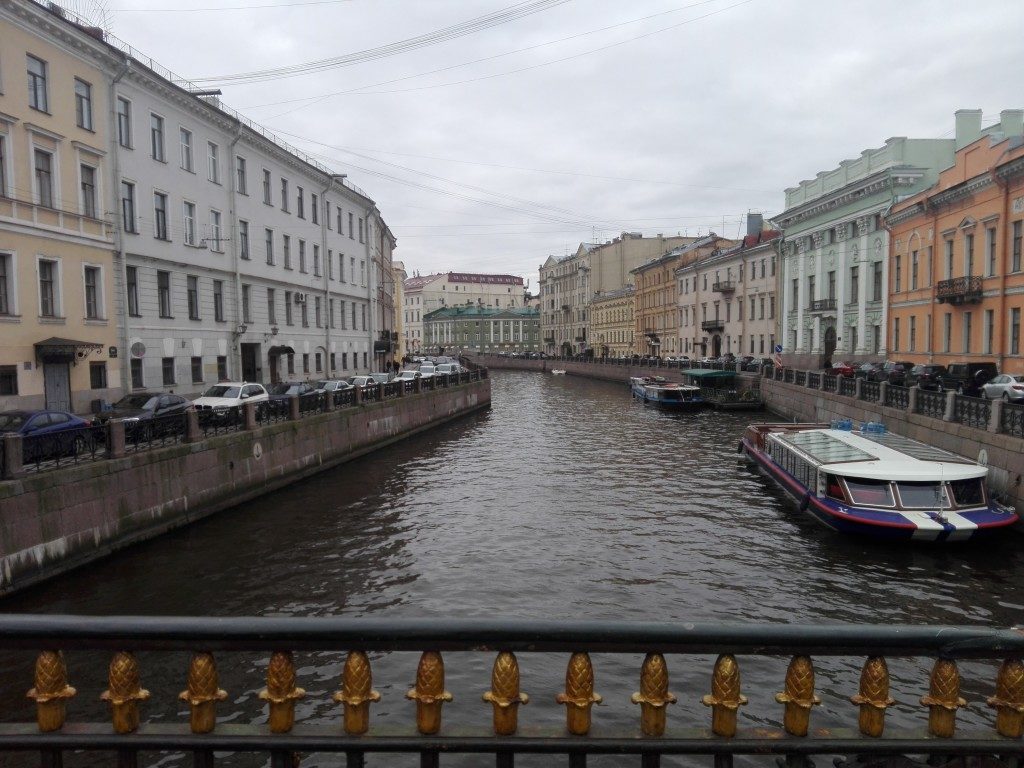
[566, 499]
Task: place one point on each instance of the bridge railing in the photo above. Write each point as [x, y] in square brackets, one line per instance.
[784, 724]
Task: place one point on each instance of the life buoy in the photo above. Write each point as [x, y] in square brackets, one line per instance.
[805, 502]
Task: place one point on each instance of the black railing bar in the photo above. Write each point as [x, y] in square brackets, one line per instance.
[307, 738]
[342, 633]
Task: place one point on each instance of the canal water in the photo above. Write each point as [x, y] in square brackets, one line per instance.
[566, 499]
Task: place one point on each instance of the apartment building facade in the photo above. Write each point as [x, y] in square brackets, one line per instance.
[399, 276]
[479, 328]
[385, 345]
[956, 288]
[612, 328]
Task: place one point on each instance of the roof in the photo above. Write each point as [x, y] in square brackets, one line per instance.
[412, 283]
[704, 375]
[477, 311]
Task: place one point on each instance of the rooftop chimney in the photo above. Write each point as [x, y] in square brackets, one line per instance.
[1011, 122]
[968, 126]
[755, 223]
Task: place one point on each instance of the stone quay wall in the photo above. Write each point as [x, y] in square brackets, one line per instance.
[54, 521]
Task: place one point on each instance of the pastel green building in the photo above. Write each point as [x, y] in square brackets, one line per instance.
[481, 329]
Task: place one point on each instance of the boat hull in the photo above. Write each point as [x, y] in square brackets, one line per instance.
[877, 524]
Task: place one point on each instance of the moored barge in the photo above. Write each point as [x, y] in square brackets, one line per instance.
[666, 394]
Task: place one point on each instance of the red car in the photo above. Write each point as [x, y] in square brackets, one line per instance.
[846, 369]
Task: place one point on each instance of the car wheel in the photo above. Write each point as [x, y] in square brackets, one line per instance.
[1006, 397]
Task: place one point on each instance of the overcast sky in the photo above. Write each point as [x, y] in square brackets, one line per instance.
[667, 116]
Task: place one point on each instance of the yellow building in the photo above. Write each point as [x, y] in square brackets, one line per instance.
[58, 305]
[611, 322]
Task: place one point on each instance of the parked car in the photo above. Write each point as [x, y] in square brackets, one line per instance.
[147, 414]
[926, 376]
[892, 371]
[448, 369]
[382, 378]
[279, 394]
[846, 369]
[362, 381]
[757, 364]
[408, 375]
[426, 370]
[332, 385]
[223, 401]
[48, 434]
[968, 378]
[865, 370]
[1004, 387]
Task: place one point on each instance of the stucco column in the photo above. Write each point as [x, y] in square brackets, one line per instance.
[996, 416]
[862, 291]
[801, 301]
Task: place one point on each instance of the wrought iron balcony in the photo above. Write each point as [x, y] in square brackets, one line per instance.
[723, 286]
[823, 305]
[712, 325]
[566, 307]
[959, 290]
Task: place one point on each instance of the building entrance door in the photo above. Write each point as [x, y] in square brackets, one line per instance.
[716, 346]
[57, 386]
[251, 370]
[830, 345]
[275, 374]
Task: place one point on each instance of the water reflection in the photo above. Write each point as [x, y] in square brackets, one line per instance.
[567, 499]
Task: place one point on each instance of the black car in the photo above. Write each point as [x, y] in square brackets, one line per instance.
[892, 371]
[926, 376]
[147, 414]
[867, 371]
[281, 392]
[968, 378]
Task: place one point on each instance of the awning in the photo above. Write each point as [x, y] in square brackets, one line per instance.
[58, 350]
[704, 375]
[382, 346]
[280, 349]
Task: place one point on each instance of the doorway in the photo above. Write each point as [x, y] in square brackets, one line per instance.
[830, 345]
[275, 373]
[57, 386]
[716, 346]
[251, 370]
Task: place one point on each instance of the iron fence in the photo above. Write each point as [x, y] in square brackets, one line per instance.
[782, 727]
[53, 450]
[871, 391]
[154, 432]
[311, 403]
[814, 380]
[931, 404]
[219, 421]
[789, 375]
[897, 397]
[274, 411]
[370, 393]
[343, 398]
[830, 383]
[972, 411]
[1011, 420]
[800, 378]
[391, 389]
[847, 387]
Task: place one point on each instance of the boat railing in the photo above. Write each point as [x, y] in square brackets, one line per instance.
[973, 411]
[870, 391]
[296, 711]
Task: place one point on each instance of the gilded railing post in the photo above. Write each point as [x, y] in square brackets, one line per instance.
[202, 694]
[943, 698]
[1009, 699]
[799, 695]
[504, 695]
[125, 692]
[725, 697]
[873, 697]
[429, 693]
[579, 694]
[653, 696]
[51, 690]
[281, 692]
[356, 693]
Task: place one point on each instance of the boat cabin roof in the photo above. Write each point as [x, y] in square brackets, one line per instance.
[882, 456]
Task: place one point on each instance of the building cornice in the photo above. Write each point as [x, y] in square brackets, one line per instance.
[1011, 169]
[887, 178]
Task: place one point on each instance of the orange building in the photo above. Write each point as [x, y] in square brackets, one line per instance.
[956, 271]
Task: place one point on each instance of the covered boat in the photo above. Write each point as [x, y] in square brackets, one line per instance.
[876, 483]
[667, 394]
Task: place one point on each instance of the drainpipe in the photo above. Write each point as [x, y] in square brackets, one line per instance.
[121, 269]
[233, 224]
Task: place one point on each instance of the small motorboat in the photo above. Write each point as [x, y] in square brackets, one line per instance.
[558, 372]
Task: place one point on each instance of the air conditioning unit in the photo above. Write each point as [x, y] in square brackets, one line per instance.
[300, 298]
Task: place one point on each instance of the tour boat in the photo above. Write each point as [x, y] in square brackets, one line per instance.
[557, 372]
[876, 483]
[667, 394]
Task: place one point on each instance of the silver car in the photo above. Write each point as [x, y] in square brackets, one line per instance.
[1004, 386]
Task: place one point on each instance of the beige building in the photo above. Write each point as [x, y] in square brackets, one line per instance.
[611, 321]
[398, 277]
[382, 248]
[58, 301]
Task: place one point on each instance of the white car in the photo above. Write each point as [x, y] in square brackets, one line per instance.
[223, 401]
[448, 369]
[1004, 386]
[408, 376]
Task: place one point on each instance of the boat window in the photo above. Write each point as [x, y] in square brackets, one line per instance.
[922, 495]
[968, 493]
[870, 493]
[834, 488]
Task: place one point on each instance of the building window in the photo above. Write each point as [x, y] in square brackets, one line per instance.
[160, 215]
[156, 134]
[288, 320]
[83, 104]
[990, 250]
[193, 297]
[93, 308]
[163, 292]
[218, 300]
[344, 361]
[88, 187]
[316, 311]
[246, 308]
[897, 273]
[360, 230]
[318, 363]
[222, 368]
[167, 365]
[913, 334]
[967, 332]
[876, 280]
[291, 363]
[339, 221]
[268, 241]
[267, 199]
[316, 260]
[300, 209]
[913, 270]
[243, 188]
[284, 195]
[990, 317]
[128, 207]
[896, 334]
[286, 245]
[302, 255]
[1017, 236]
[351, 228]
[48, 288]
[185, 139]
[330, 312]
[189, 221]
[124, 122]
[304, 314]
[243, 239]
[97, 375]
[313, 203]
[271, 307]
[305, 362]
[969, 254]
[136, 368]
[213, 162]
[949, 260]
[1015, 331]
[132, 289]
[215, 229]
[947, 331]
[197, 370]
[330, 264]
[37, 96]
[44, 178]
[3, 167]
[6, 284]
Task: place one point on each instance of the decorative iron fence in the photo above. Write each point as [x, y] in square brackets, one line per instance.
[216, 421]
[274, 411]
[847, 387]
[356, 734]
[830, 383]
[931, 404]
[870, 391]
[41, 452]
[391, 389]
[1011, 420]
[343, 398]
[897, 397]
[789, 375]
[972, 411]
[311, 403]
[154, 432]
[800, 378]
[814, 380]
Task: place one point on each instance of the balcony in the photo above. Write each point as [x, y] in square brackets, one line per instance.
[712, 325]
[823, 305]
[959, 290]
[566, 307]
[549, 339]
[723, 286]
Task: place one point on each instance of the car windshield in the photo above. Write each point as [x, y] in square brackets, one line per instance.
[10, 421]
[146, 402]
[284, 389]
[221, 390]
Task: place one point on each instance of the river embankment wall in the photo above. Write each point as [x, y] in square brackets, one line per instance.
[54, 521]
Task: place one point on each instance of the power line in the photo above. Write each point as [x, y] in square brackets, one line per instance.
[229, 7]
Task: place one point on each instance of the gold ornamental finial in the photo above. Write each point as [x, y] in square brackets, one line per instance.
[725, 697]
[51, 690]
[799, 696]
[653, 696]
[873, 697]
[943, 698]
[429, 693]
[281, 691]
[504, 695]
[579, 694]
[356, 693]
[202, 694]
[125, 692]
[1009, 699]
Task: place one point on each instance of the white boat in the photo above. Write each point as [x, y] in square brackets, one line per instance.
[667, 394]
[557, 372]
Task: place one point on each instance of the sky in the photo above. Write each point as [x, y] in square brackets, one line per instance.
[531, 126]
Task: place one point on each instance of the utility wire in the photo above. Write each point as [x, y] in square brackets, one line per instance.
[229, 7]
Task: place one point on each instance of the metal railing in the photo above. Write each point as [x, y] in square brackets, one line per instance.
[871, 391]
[823, 305]
[814, 379]
[42, 452]
[155, 432]
[789, 376]
[800, 378]
[830, 383]
[223, 420]
[782, 651]
[311, 403]
[1011, 420]
[897, 397]
[847, 387]
[972, 411]
[959, 290]
[343, 398]
[931, 404]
